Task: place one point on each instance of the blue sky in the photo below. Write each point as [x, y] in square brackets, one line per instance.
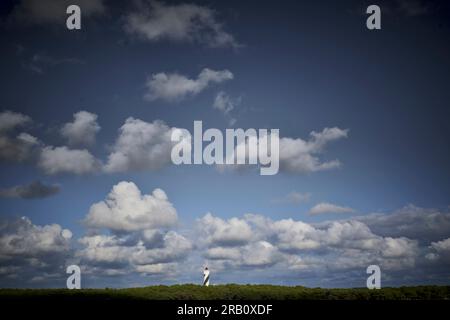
[301, 67]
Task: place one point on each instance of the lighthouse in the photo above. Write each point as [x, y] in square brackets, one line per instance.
[206, 277]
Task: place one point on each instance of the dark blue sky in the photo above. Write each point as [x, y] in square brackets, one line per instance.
[298, 66]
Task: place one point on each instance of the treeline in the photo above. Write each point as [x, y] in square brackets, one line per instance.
[234, 292]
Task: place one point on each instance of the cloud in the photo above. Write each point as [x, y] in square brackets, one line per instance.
[82, 130]
[225, 104]
[126, 209]
[34, 190]
[18, 149]
[53, 160]
[138, 239]
[140, 146]
[175, 87]
[30, 250]
[325, 207]
[335, 246]
[293, 197]
[10, 120]
[116, 255]
[329, 253]
[53, 11]
[154, 21]
[443, 245]
[175, 247]
[15, 148]
[22, 237]
[440, 252]
[291, 235]
[300, 156]
[221, 232]
[39, 62]
[424, 224]
[259, 254]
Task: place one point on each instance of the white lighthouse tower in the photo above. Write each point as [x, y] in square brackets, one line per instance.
[206, 277]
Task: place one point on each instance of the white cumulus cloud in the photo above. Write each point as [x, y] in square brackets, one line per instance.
[16, 147]
[175, 87]
[140, 146]
[154, 20]
[137, 236]
[301, 156]
[127, 209]
[82, 130]
[28, 250]
[296, 244]
[55, 160]
[325, 207]
[10, 120]
[224, 232]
